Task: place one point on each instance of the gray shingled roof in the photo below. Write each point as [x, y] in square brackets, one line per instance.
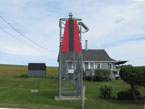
[95, 55]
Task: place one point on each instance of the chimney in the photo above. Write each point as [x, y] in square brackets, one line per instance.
[86, 45]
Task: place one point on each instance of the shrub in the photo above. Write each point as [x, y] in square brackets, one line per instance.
[134, 76]
[105, 92]
[102, 74]
[124, 95]
[88, 78]
[24, 76]
[127, 95]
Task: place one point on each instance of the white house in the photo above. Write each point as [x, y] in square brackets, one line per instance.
[94, 59]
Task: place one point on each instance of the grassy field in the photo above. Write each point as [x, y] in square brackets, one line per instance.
[15, 92]
[11, 70]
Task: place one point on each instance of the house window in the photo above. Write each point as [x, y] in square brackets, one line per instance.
[98, 66]
[110, 66]
[86, 65]
[69, 65]
[105, 66]
[91, 65]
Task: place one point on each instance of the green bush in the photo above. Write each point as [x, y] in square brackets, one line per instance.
[124, 95]
[105, 92]
[127, 95]
[88, 78]
[24, 76]
[102, 74]
[134, 76]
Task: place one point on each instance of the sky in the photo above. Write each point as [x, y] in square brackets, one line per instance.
[31, 33]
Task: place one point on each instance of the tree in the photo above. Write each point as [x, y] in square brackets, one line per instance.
[135, 76]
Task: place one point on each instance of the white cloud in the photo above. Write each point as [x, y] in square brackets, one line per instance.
[132, 51]
[139, 0]
[109, 23]
[119, 20]
[104, 30]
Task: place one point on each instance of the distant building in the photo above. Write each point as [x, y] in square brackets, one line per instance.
[37, 69]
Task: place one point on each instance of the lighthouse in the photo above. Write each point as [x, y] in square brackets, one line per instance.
[70, 82]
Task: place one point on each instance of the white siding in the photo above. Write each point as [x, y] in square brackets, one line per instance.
[91, 65]
[37, 73]
[83, 66]
[100, 65]
[94, 66]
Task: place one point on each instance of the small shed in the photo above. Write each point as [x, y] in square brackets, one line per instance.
[37, 69]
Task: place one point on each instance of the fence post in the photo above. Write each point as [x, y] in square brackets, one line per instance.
[83, 97]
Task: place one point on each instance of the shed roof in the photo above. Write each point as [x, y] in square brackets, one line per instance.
[36, 66]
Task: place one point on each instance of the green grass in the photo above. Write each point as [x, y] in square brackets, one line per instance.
[15, 92]
[13, 70]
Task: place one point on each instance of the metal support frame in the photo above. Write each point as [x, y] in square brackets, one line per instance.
[76, 79]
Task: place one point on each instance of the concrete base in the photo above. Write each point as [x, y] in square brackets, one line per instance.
[34, 91]
[68, 98]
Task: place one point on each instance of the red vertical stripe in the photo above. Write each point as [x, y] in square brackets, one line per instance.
[77, 44]
[65, 41]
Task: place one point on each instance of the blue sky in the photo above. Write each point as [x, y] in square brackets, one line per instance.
[118, 26]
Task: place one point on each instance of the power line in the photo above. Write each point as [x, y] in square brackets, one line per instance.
[11, 35]
[15, 37]
[19, 39]
[25, 36]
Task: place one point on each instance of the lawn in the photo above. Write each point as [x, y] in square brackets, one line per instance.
[13, 70]
[15, 92]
